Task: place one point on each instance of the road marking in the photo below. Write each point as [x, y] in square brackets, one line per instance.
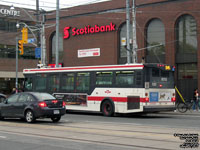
[3, 137]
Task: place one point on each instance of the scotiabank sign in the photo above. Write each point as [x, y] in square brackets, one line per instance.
[88, 30]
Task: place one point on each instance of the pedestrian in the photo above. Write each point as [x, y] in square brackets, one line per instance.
[13, 91]
[196, 100]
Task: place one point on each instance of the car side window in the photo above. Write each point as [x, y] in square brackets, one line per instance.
[2, 99]
[23, 98]
[13, 98]
[30, 98]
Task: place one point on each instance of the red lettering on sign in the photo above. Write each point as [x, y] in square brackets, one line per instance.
[66, 32]
[89, 30]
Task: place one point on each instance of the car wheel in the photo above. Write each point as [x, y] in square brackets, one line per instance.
[107, 108]
[56, 119]
[1, 118]
[29, 116]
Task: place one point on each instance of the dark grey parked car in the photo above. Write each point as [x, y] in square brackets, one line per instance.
[2, 97]
[32, 105]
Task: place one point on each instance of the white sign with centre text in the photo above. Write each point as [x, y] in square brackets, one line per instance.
[89, 52]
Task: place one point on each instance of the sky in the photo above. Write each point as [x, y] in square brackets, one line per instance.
[47, 4]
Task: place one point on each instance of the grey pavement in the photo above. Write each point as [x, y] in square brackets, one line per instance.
[188, 112]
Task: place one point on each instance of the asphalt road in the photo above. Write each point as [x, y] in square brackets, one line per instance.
[172, 119]
[92, 131]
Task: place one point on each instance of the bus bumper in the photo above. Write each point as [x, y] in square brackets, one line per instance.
[158, 108]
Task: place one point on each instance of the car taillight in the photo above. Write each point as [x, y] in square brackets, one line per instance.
[42, 104]
[54, 101]
[63, 103]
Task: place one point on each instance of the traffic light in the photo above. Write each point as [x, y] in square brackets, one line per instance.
[20, 46]
[25, 35]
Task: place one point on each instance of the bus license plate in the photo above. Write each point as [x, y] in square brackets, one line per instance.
[56, 112]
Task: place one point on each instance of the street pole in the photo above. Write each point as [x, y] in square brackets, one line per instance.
[134, 50]
[16, 80]
[57, 33]
[37, 19]
[128, 29]
[42, 39]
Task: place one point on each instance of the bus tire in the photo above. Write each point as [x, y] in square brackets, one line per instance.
[107, 108]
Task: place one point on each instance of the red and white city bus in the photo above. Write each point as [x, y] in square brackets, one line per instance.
[108, 89]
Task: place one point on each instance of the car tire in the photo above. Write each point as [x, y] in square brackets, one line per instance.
[29, 116]
[56, 119]
[107, 108]
[1, 118]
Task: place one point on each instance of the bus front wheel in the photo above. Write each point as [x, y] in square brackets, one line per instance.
[107, 108]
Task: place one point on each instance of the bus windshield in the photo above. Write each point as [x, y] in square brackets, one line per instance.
[159, 78]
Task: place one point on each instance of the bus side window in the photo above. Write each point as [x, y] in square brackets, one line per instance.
[104, 78]
[28, 84]
[139, 78]
[54, 82]
[83, 82]
[67, 82]
[41, 82]
[125, 78]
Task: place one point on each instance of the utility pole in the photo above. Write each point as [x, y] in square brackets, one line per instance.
[37, 19]
[57, 32]
[128, 30]
[43, 40]
[16, 80]
[134, 50]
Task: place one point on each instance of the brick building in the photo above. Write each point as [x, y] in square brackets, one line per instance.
[8, 33]
[167, 32]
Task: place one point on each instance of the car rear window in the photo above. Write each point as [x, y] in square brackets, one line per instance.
[43, 96]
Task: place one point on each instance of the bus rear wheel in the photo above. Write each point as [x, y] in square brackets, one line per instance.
[107, 108]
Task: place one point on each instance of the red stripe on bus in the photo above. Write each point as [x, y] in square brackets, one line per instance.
[99, 98]
[84, 68]
[115, 99]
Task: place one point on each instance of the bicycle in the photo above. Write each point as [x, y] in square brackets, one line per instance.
[184, 106]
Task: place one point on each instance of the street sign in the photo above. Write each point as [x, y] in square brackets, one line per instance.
[32, 40]
[38, 52]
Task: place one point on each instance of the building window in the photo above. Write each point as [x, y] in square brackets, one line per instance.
[7, 25]
[9, 51]
[155, 42]
[187, 71]
[53, 49]
[186, 34]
